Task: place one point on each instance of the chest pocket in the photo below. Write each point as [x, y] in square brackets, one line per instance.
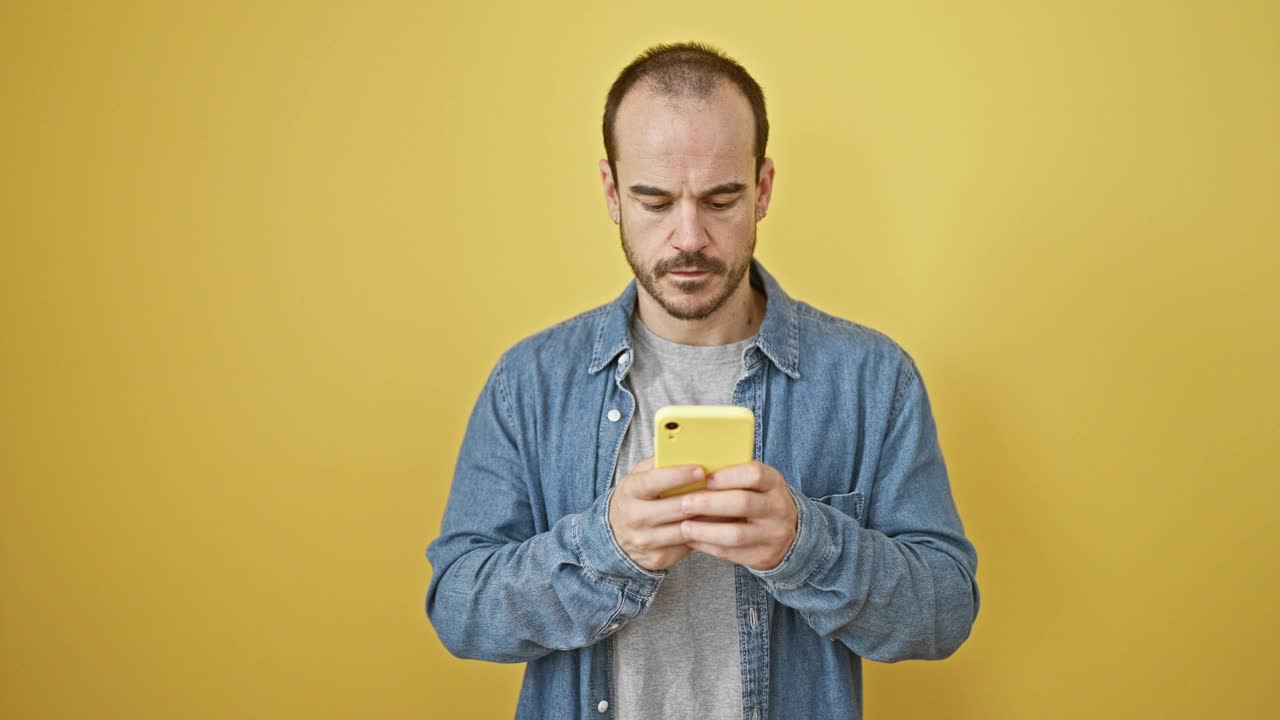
[852, 504]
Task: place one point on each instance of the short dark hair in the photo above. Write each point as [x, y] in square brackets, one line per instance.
[681, 69]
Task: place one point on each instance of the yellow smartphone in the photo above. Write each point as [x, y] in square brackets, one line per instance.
[713, 436]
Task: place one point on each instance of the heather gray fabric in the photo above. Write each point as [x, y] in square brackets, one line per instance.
[679, 659]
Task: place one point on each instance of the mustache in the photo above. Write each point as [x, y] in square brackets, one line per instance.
[688, 261]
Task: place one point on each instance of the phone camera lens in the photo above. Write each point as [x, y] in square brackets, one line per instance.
[672, 425]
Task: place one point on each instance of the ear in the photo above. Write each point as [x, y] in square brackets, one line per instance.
[764, 188]
[610, 191]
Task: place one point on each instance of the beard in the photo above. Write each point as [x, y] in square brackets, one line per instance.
[732, 275]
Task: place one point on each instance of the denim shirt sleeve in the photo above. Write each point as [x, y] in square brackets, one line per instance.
[501, 591]
[904, 587]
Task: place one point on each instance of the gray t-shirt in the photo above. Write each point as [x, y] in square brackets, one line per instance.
[680, 659]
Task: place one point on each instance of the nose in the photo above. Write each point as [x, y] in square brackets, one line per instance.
[690, 234]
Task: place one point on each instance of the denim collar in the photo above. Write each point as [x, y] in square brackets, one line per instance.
[779, 336]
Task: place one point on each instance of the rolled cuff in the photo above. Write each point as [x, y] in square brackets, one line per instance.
[602, 556]
[810, 551]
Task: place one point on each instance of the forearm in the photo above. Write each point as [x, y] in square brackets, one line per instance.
[561, 589]
[912, 596]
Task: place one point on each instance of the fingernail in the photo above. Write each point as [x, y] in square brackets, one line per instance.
[698, 472]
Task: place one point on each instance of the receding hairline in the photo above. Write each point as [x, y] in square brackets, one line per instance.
[685, 102]
[683, 72]
[676, 96]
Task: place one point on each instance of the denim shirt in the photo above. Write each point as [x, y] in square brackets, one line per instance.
[526, 567]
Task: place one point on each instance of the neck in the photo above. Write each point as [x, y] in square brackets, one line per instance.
[738, 319]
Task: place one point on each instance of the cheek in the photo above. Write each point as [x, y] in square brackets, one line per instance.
[737, 227]
[642, 242]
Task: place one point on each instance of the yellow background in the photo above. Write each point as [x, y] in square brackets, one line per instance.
[259, 257]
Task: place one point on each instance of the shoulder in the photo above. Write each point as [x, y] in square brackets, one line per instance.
[562, 348]
[863, 355]
[824, 333]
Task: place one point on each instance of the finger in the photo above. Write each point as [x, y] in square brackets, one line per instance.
[652, 482]
[662, 536]
[755, 556]
[719, 551]
[664, 511]
[726, 503]
[643, 465]
[747, 476]
[728, 534]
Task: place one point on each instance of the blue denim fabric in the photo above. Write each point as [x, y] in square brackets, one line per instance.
[527, 569]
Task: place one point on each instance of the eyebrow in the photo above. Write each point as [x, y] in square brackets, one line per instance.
[721, 189]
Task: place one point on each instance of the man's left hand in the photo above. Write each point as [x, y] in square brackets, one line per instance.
[756, 513]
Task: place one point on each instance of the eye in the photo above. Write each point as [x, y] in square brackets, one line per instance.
[723, 205]
[655, 208]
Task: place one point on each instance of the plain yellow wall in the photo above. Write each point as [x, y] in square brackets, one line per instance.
[259, 257]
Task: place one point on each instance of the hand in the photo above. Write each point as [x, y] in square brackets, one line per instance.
[646, 526]
[757, 516]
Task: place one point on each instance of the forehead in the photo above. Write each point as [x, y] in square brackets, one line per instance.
[684, 138]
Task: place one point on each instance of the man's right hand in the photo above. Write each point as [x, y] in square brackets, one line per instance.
[645, 525]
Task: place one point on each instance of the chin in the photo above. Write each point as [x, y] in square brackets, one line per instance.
[698, 309]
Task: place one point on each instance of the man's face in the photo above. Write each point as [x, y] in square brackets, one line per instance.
[687, 196]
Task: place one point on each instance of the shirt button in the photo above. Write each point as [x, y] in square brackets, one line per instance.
[624, 358]
[613, 627]
[614, 415]
[604, 705]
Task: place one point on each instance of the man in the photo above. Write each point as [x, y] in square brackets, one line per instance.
[756, 597]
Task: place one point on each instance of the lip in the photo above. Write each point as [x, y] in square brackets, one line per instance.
[688, 273]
